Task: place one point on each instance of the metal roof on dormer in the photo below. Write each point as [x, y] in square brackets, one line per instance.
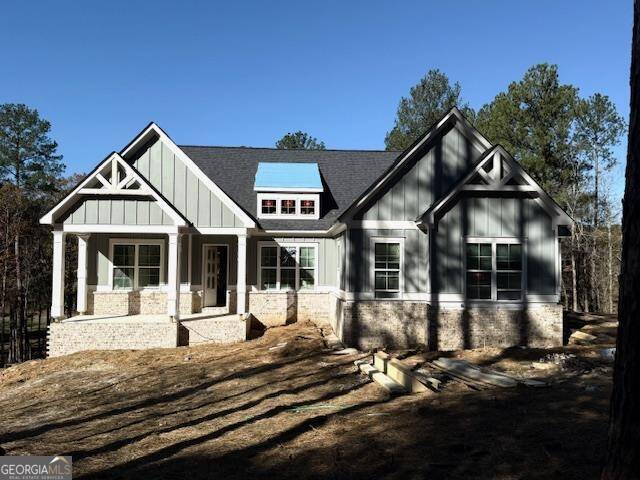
[287, 177]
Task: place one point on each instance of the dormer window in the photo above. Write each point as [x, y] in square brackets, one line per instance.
[288, 206]
[308, 207]
[268, 207]
[288, 190]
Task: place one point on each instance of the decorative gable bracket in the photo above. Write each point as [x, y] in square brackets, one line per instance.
[113, 177]
[496, 173]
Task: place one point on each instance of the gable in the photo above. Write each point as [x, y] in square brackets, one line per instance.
[181, 186]
[443, 162]
[116, 211]
[112, 179]
[496, 174]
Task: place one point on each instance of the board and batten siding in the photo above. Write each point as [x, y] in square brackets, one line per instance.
[359, 255]
[495, 217]
[116, 211]
[450, 157]
[328, 260]
[182, 188]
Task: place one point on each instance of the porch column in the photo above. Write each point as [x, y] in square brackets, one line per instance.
[241, 282]
[57, 284]
[173, 277]
[83, 239]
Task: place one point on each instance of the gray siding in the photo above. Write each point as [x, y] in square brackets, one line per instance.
[477, 217]
[415, 268]
[495, 217]
[178, 184]
[327, 257]
[116, 211]
[450, 157]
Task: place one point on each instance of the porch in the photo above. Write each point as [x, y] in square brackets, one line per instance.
[152, 272]
[125, 332]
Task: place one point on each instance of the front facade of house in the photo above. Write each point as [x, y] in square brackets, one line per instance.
[449, 244]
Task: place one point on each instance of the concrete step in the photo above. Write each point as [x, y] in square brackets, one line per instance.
[381, 379]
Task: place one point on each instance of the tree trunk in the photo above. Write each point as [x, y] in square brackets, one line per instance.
[20, 314]
[623, 455]
[610, 265]
[574, 282]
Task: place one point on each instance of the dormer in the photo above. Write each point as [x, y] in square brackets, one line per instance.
[288, 190]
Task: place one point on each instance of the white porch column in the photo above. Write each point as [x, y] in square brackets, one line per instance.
[57, 284]
[83, 239]
[241, 281]
[173, 277]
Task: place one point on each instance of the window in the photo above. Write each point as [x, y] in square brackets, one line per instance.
[509, 271]
[288, 207]
[301, 206]
[136, 265]
[307, 207]
[386, 274]
[269, 206]
[287, 266]
[486, 276]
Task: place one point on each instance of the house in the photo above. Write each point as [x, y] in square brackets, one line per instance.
[448, 244]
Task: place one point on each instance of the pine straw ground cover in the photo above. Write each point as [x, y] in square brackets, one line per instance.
[252, 411]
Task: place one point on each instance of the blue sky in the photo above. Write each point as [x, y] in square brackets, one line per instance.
[245, 73]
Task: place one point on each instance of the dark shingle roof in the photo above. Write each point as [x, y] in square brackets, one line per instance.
[346, 174]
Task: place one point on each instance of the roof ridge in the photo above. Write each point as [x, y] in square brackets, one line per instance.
[289, 149]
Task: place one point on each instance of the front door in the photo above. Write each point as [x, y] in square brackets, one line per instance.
[215, 275]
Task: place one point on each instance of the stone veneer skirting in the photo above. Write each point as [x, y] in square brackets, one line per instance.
[70, 337]
[144, 302]
[226, 329]
[401, 324]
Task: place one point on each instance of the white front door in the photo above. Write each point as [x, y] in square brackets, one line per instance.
[211, 274]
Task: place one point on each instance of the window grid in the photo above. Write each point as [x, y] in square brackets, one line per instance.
[288, 267]
[386, 272]
[494, 270]
[136, 265]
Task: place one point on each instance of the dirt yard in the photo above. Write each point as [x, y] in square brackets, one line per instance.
[266, 409]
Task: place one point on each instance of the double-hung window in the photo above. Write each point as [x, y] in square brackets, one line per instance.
[494, 270]
[387, 260]
[136, 265]
[287, 266]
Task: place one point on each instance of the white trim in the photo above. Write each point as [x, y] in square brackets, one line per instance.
[372, 263]
[224, 198]
[220, 231]
[57, 280]
[466, 129]
[133, 229]
[384, 225]
[203, 268]
[137, 242]
[279, 245]
[279, 197]
[241, 275]
[173, 275]
[81, 293]
[113, 160]
[288, 189]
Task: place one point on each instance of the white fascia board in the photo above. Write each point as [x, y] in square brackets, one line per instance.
[89, 228]
[467, 129]
[224, 198]
[287, 190]
[220, 231]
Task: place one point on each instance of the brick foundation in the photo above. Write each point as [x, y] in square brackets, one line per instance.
[69, 337]
[225, 329]
[374, 324]
[279, 308]
[141, 302]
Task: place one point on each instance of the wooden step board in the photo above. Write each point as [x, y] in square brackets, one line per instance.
[467, 372]
[402, 374]
[380, 378]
